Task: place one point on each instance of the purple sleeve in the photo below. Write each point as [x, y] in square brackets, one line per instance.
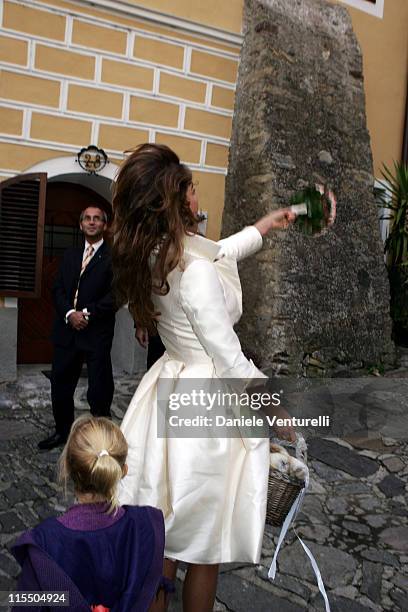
[154, 575]
[41, 573]
[27, 581]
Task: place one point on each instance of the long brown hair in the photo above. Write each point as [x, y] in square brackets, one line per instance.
[151, 216]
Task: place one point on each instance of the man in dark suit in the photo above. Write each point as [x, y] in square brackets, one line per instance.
[83, 328]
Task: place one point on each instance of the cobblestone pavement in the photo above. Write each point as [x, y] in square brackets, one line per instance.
[354, 518]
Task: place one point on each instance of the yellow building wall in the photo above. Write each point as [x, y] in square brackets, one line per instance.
[224, 15]
[384, 43]
[73, 75]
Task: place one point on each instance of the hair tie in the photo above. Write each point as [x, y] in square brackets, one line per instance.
[103, 452]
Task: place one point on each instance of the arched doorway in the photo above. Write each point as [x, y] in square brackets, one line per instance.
[64, 202]
[69, 190]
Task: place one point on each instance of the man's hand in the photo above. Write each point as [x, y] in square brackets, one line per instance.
[142, 336]
[77, 320]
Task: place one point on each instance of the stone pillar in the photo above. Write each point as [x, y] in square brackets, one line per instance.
[310, 304]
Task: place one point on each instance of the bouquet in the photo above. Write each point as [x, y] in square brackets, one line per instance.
[316, 209]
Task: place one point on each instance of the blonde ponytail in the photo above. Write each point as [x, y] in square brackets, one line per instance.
[94, 458]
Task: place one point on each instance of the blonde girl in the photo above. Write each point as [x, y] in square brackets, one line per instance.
[107, 557]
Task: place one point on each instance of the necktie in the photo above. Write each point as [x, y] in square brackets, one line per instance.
[88, 256]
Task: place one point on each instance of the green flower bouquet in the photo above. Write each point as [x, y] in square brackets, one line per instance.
[315, 208]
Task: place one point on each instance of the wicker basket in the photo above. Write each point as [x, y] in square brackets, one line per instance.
[282, 489]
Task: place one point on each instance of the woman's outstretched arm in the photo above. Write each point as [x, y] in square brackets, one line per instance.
[277, 219]
[248, 241]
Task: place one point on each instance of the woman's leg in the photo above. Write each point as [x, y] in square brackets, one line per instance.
[200, 587]
[169, 571]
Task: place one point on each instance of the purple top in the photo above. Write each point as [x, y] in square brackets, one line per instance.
[90, 517]
[114, 560]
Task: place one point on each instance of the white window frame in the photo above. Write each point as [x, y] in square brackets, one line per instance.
[377, 9]
[385, 224]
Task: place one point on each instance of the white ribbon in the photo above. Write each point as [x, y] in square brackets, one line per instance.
[291, 515]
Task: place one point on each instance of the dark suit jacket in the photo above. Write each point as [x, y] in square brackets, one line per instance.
[94, 293]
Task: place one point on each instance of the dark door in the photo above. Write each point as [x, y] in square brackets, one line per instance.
[64, 203]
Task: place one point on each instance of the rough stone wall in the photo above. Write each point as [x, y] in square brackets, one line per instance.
[320, 305]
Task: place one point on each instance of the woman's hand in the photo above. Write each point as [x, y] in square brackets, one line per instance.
[142, 336]
[286, 432]
[277, 219]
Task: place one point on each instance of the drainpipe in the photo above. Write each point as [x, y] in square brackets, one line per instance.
[405, 139]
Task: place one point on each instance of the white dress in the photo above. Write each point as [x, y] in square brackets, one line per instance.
[211, 490]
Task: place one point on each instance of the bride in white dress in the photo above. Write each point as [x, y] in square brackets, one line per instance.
[212, 491]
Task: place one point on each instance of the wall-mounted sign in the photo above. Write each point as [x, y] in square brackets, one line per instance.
[373, 7]
[91, 159]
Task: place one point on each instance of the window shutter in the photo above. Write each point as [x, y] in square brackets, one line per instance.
[22, 209]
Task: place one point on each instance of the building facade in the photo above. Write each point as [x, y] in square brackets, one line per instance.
[115, 74]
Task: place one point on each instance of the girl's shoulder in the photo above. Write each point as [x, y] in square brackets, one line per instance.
[48, 524]
[147, 514]
[38, 535]
[148, 521]
[47, 528]
[143, 518]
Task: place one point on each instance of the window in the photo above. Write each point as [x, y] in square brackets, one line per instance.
[58, 238]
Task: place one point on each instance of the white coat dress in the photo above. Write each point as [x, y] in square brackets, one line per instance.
[211, 490]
